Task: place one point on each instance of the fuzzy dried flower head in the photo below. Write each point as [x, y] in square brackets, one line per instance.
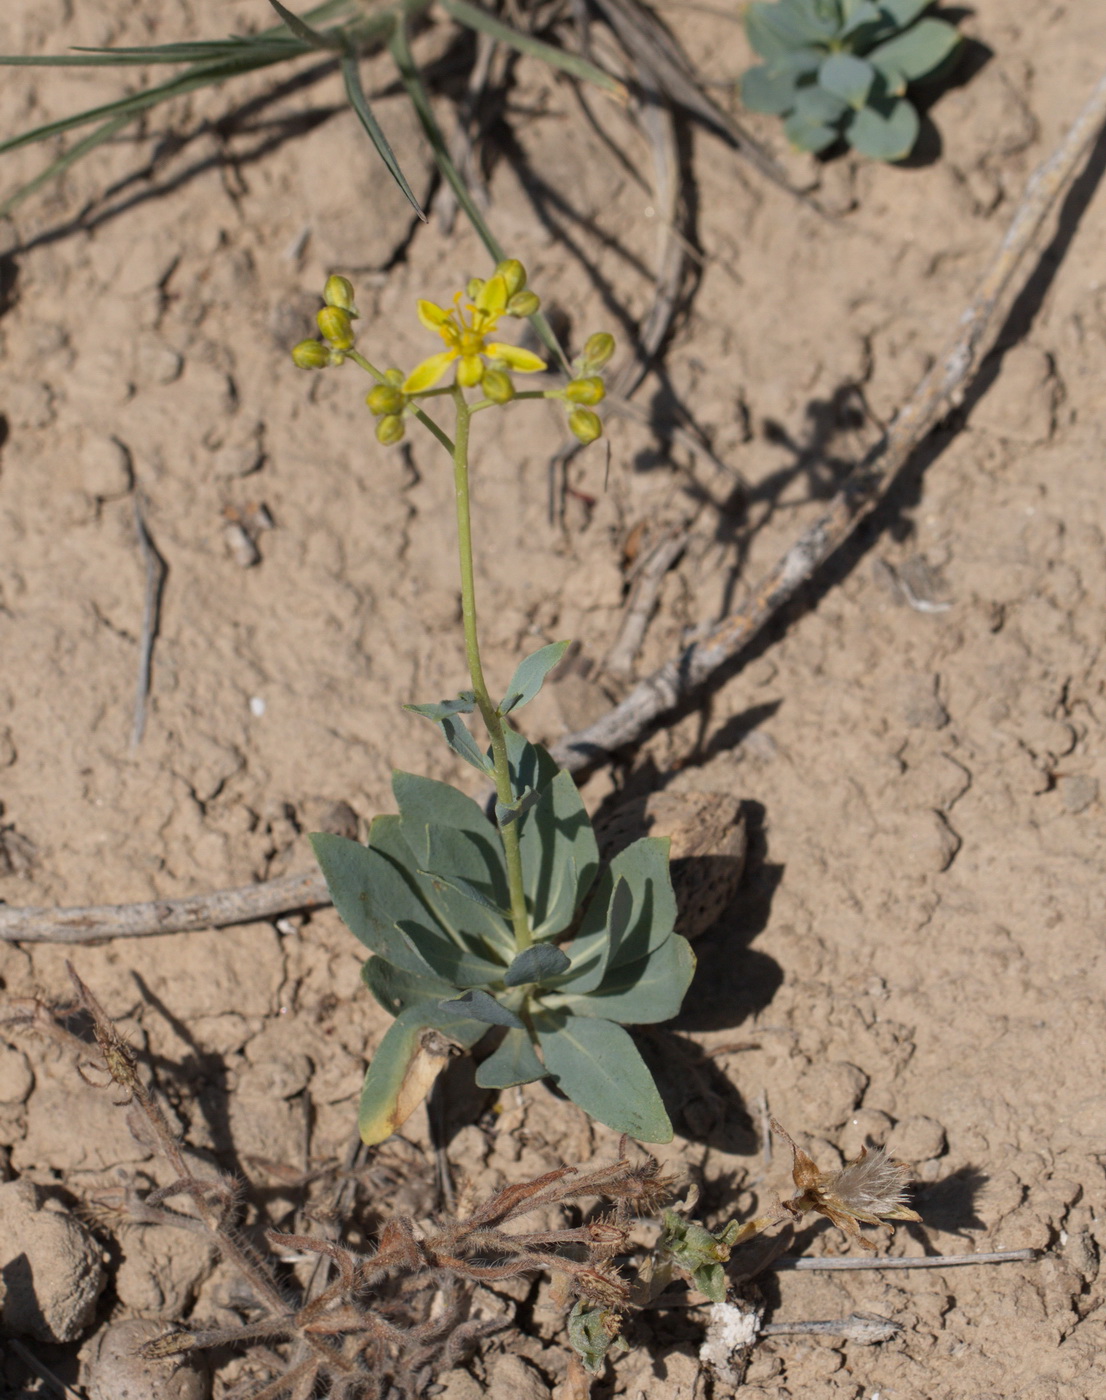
[872, 1189]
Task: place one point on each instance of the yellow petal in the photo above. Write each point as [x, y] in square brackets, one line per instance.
[523, 360]
[493, 295]
[431, 316]
[426, 375]
[470, 371]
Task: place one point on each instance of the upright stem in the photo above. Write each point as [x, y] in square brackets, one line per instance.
[519, 917]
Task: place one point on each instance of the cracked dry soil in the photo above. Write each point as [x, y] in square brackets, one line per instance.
[915, 955]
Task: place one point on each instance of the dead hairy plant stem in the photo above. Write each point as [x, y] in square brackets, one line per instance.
[674, 682]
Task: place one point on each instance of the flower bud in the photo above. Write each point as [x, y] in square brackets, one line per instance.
[390, 429]
[339, 292]
[497, 386]
[473, 287]
[336, 325]
[311, 354]
[524, 304]
[598, 349]
[585, 425]
[395, 377]
[587, 390]
[513, 273]
[385, 398]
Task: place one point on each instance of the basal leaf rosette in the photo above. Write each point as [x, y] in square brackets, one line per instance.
[840, 68]
[428, 896]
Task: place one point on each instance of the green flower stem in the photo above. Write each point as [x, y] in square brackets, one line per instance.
[424, 418]
[490, 715]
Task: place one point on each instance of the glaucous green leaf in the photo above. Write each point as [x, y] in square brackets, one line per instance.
[773, 29]
[598, 1066]
[464, 745]
[890, 137]
[424, 803]
[560, 856]
[847, 77]
[396, 989]
[767, 89]
[403, 1069]
[372, 898]
[820, 18]
[479, 1005]
[855, 14]
[919, 51]
[531, 766]
[816, 106]
[508, 812]
[809, 134]
[449, 853]
[644, 868]
[530, 675]
[537, 963]
[512, 1062]
[904, 12]
[450, 837]
[638, 993]
[463, 705]
[457, 938]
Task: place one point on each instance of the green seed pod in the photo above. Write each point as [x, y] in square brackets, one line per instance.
[336, 325]
[513, 273]
[598, 349]
[311, 354]
[498, 386]
[587, 390]
[385, 398]
[585, 425]
[524, 304]
[473, 287]
[390, 430]
[339, 292]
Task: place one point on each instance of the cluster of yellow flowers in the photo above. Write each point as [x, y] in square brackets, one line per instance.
[466, 329]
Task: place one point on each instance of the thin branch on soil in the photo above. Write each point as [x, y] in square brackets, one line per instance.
[926, 1261]
[670, 686]
[644, 591]
[944, 386]
[156, 569]
[866, 1328]
[250, 904]
[57, 1386]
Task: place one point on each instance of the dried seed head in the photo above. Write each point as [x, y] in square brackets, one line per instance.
[603, 1287]
[872, 1189]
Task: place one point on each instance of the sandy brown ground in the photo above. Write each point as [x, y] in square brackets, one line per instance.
[916, 955]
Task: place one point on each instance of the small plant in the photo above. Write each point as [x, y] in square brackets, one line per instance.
[840, 68]
[467, 918]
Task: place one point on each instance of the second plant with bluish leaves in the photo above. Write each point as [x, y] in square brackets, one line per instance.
[841, 68]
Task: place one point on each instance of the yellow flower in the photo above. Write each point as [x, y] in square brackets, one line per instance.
[465, 331]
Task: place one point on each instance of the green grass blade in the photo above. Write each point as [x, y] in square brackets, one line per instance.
[139, 102]
[302, 30]
[412, 81]
[204, 51]
[473, 17]
[360, 104]
[58, 167]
